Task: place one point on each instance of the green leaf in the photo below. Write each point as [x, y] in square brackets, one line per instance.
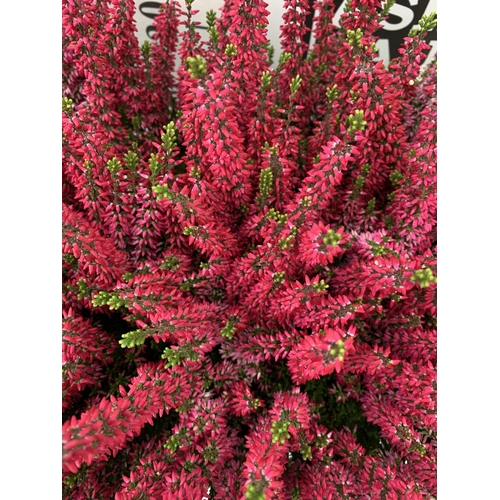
[133, 339]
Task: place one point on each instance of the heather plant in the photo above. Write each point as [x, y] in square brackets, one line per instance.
[249, 256]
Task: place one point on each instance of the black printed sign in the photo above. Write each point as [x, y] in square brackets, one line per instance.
[404, 15]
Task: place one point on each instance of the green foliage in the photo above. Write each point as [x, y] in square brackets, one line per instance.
[370, 206]
[344, 413]
[175, 357]
[255, 493]
[395, 176]
[146, 50]
[133, 339]
[270, 53]
[426, 24]
[386, 8]
[211, 452]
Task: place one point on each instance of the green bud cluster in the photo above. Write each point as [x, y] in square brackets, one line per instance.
[67, 103]
[196, 172]
[114, 166]
[395, 176]
[131, 161]
[83, 289]
[332, 238]
[332, 93]
[196, 66]
[354, 95]
[162, 192]
[355, 121]
[229, 328]
[230, 50]
[358, 184]
[305, 451]
[279, 277]
[305, 202]
[273, 214]
[265, 80]
[279, 431]
[212, 29]
[113, 300]
[286, 241]
[338, 350]
[211, 453]
[426, 24]
[174, 357]
[173, 443]
[189, 231]
[284, 58]
[321, 441]
[154, 164]
[146, 50]
[273, 150]
[365, 169]
[424, 277]
[370, 206]
[171, 263]
[295, 85]
[354, 38]
[168, 139]
[254, 493]
[320, 286]
[265, 183]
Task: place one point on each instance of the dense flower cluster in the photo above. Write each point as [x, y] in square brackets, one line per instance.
[249, 256]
